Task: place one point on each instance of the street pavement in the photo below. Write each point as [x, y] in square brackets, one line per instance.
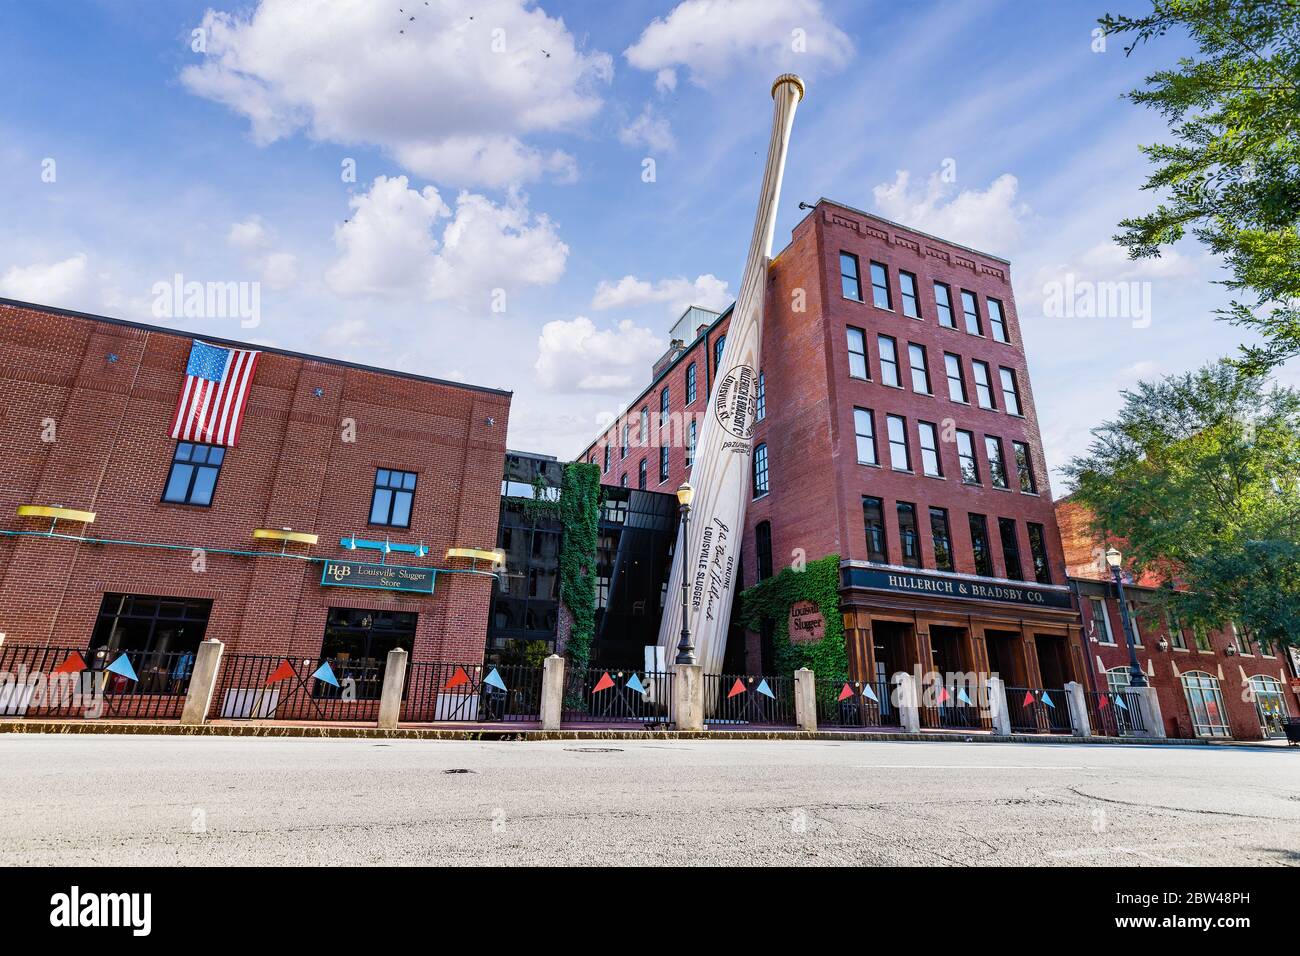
[168, 800]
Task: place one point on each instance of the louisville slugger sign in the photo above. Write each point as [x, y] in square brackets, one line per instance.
[723, 464]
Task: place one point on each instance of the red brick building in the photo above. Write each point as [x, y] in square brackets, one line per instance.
[896, 428]
[1210, 683]
[327, 448]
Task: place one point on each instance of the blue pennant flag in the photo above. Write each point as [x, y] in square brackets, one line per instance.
[1047, 700]
[962, 696]
[1119, 702]
[763, 689]
[326, 673]
[495, 680]
[869, 693]
[122, 666]
[634, 683]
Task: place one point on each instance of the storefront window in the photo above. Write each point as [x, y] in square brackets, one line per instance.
[1205, 703]
[1270, 704]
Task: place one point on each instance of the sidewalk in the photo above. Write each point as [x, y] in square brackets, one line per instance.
[530, 731]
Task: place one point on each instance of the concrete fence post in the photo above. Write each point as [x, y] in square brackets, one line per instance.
[1151, 716]
[909, 702]
[805, 700]
[390, 698]
[552, 691]
[998, 707]
[688, 697]
[1080, 724]
[203, 682]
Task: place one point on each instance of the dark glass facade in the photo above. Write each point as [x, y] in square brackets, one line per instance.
[633, 558]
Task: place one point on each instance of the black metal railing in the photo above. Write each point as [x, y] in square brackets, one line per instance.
[740, 701]
[955, 705]
[75, 683]
[855, 704]
[598, 696]
[474, 693]
[1115, 713]
[273, 687]
[1039, 710]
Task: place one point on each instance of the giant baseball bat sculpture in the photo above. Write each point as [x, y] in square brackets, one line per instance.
[723, 465]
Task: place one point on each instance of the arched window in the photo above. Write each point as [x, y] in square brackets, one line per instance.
[690, 383]
[1270, 704]
[1117, 719]
[760, 399]
[1205, 702]
[763, 545]
[717, 352]
[760, 470]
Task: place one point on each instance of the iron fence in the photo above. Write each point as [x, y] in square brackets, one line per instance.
[1039, 710]
[473, 693]
[748, 700]
[272, 687]
[1115, 713]
[72, 683]
[593, 695]
[855, 704]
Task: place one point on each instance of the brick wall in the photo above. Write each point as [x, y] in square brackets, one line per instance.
[292, 468]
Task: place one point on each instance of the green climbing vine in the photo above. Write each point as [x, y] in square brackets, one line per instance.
[579, 508]
[819, 582]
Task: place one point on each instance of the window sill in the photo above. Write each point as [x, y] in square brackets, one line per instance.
[902, 471]
[999, 488]
[1180, 650]
[760, 497]
[935, 477]
[887, 385]
[1032, 494]
[869, 464]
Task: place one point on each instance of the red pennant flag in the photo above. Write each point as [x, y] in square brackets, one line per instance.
[944, 695]
[1103, 701]
[605, 683]
[74, 663]
[284, 670]
[737, 688]
[458, 678]
[846, 692]
[1029, 698]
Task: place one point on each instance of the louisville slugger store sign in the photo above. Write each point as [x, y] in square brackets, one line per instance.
[953, 587]
[386, 577]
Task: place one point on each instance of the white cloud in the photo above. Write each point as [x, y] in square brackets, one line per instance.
[279, 270]
[576, 356]
[706, 291]
[389, 246]
[711, 37]
[990, 220]
[649, 130]
[56, 283]
[447, 88]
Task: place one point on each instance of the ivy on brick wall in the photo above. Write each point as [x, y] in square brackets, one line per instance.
[819, 582]
[579, 520]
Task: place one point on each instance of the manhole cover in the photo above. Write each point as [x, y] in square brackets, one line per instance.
[459, 770]
[594, 750]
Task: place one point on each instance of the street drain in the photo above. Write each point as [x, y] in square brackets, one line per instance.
[459, 770]
[594, 750]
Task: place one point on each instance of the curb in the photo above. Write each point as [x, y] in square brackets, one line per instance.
[429, 733]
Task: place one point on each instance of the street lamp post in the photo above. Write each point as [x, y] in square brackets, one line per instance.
[685, 652]
[1135, 676]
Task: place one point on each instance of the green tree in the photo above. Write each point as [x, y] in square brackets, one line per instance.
[1232, 175]
[1199, 476]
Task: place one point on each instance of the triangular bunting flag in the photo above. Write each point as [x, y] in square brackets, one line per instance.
[495, 680]
[1119, 702]
[1048, 701]
[1029, 699]
[869, 693]
[122, 666]
[634, 683]
[457, 678]
[74, 663]
[1103, 701]
[605, 683]
[737, 688]
[763, 689]
[847, 691]
[963, 696]
[326, 673]
[282, 672]
[944, 696]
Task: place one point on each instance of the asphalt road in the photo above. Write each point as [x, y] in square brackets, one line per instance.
[80, 800]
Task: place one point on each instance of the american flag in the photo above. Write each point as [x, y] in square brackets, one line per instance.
[211, 407]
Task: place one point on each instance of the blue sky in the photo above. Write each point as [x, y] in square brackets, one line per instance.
[499, 229]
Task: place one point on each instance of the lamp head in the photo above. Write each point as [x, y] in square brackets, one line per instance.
[1113, 557]
[685, 494]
